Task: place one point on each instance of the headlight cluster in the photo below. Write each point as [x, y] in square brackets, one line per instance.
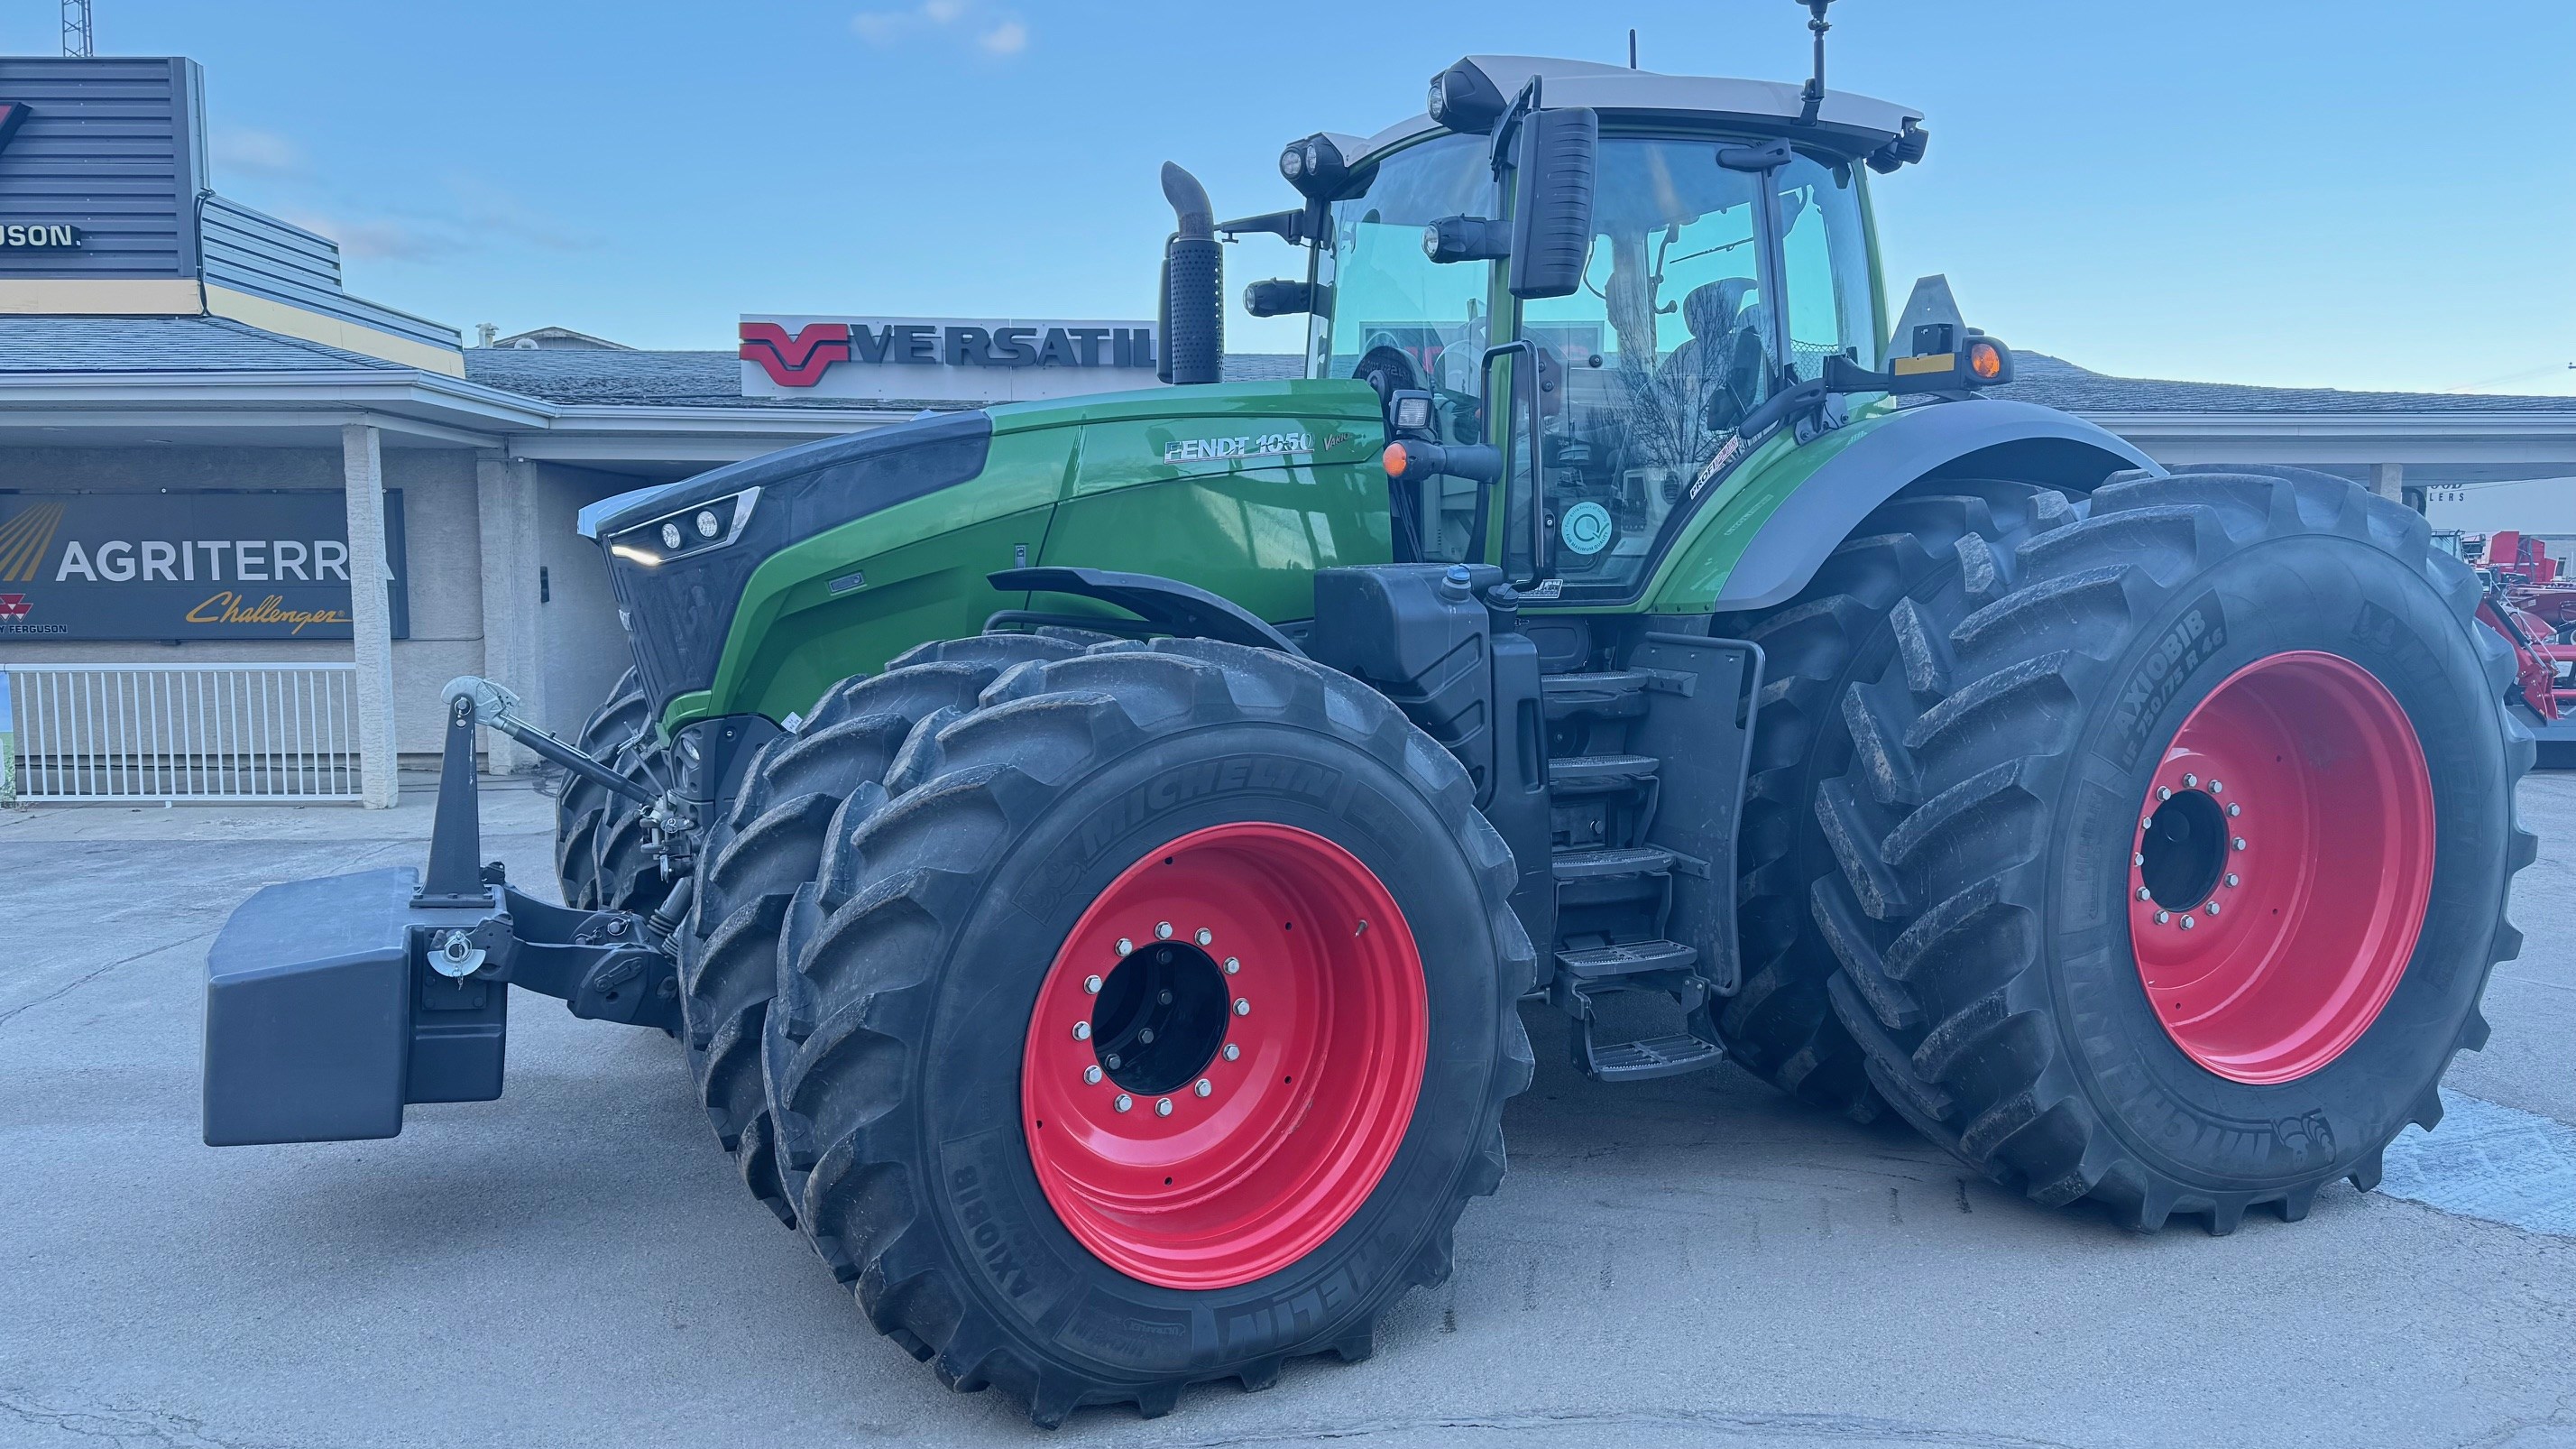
[687, 531]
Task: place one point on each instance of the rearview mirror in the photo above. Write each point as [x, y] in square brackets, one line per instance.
[1552, 216]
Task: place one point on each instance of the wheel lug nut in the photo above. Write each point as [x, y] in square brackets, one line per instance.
[2163, 916]
[1124, 1102]
[2216, 788]
[1082, 1031]
[2191, 780]
[1162, 930]
[1164, 997]
[2187, 920]
[1113, 1061]
[1091, 1076]
[2145, 894]
[1125, 945]
[1206, 937]
[2232, 878]
[1163, 1107]
[1232, 965]
[1091, 984]
[1233, 1052]
[2137, 857]
[2163, 793]
[1146, 1036]
[1204, 1087]
[1242, 1006]
[2240, 842]
[2235, 809]
[2213, 908]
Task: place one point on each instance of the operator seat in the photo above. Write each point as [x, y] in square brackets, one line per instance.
[1714, 377]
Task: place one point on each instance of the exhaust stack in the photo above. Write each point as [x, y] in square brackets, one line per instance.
[1193, 303]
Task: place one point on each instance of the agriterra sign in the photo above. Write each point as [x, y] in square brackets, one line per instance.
[932, 359]
[179, 566]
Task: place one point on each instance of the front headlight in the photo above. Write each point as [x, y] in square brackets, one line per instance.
[687, 532]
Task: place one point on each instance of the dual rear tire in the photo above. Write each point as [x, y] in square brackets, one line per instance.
[2153, 850]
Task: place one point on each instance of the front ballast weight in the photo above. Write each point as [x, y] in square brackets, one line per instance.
[332, 1004]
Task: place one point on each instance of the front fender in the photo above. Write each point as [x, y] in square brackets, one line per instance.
[1771, 536]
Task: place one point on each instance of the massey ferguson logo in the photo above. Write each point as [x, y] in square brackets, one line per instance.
[798, 354]
[13, 114]
[15, 606]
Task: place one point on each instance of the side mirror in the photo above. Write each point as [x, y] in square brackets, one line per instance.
[1558, 162]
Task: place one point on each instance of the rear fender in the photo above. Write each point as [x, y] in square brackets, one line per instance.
[1777, 538]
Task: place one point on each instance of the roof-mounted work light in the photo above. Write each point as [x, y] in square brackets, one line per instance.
[1464, 98]
[1315, 166]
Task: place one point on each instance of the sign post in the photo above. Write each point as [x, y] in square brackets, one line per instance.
[8, 746]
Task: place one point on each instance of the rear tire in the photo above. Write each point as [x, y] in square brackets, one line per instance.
[928, 973]
[2009, 904]
[1844, 626]
[755, 858]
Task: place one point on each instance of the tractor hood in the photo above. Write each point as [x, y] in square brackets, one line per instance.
[680, 556]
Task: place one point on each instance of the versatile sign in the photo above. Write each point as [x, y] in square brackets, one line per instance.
[942, 359]
[182, 566]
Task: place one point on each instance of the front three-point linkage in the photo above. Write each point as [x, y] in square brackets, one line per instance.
[604, 965]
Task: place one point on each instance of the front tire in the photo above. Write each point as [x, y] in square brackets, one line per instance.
[959, 1151]
[2175, 845]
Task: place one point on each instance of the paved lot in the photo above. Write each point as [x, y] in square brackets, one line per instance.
[1684, 1263]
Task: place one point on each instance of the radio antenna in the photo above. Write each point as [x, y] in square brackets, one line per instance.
[1812, 99]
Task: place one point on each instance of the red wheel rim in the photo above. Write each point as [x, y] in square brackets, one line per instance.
[2281, 866]
[1243, 1143]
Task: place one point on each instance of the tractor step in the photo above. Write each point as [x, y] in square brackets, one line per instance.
[1589, 774]
[1642, 1061]
[1616, 861]
[1626, 959]
[1619, 694]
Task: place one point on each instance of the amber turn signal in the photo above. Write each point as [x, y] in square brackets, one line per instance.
[1985, 360]
[1395, 460]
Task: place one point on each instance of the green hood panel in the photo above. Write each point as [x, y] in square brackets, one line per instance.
[1244, 488]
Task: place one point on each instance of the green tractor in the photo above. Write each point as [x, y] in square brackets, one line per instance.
[1097, 854]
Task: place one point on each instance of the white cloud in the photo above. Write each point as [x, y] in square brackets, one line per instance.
[997, 33]
[380, 240]
[263, 153]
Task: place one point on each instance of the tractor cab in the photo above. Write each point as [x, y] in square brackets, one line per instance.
[1705, 246]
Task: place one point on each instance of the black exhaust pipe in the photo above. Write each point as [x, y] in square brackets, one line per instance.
[1193, 311]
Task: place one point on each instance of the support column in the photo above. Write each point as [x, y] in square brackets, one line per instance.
[2388, 480]
[508, 514]
[362, 478]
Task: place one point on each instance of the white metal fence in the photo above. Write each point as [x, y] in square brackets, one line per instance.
[162, 732]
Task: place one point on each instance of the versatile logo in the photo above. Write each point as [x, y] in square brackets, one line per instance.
[799, 358]
[795, 359]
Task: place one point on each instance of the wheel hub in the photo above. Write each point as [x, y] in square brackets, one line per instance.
[2283, 858]
[1224, 1056]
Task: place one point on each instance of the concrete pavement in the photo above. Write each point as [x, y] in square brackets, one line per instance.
[1686, 1263]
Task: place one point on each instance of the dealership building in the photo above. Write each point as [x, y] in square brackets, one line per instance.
[206, 442]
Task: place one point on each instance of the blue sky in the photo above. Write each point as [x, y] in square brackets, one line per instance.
[2361, 194]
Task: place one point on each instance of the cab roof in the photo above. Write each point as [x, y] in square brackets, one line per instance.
[1847, 123]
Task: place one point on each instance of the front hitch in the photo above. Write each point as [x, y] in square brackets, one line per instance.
[332, 1004]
